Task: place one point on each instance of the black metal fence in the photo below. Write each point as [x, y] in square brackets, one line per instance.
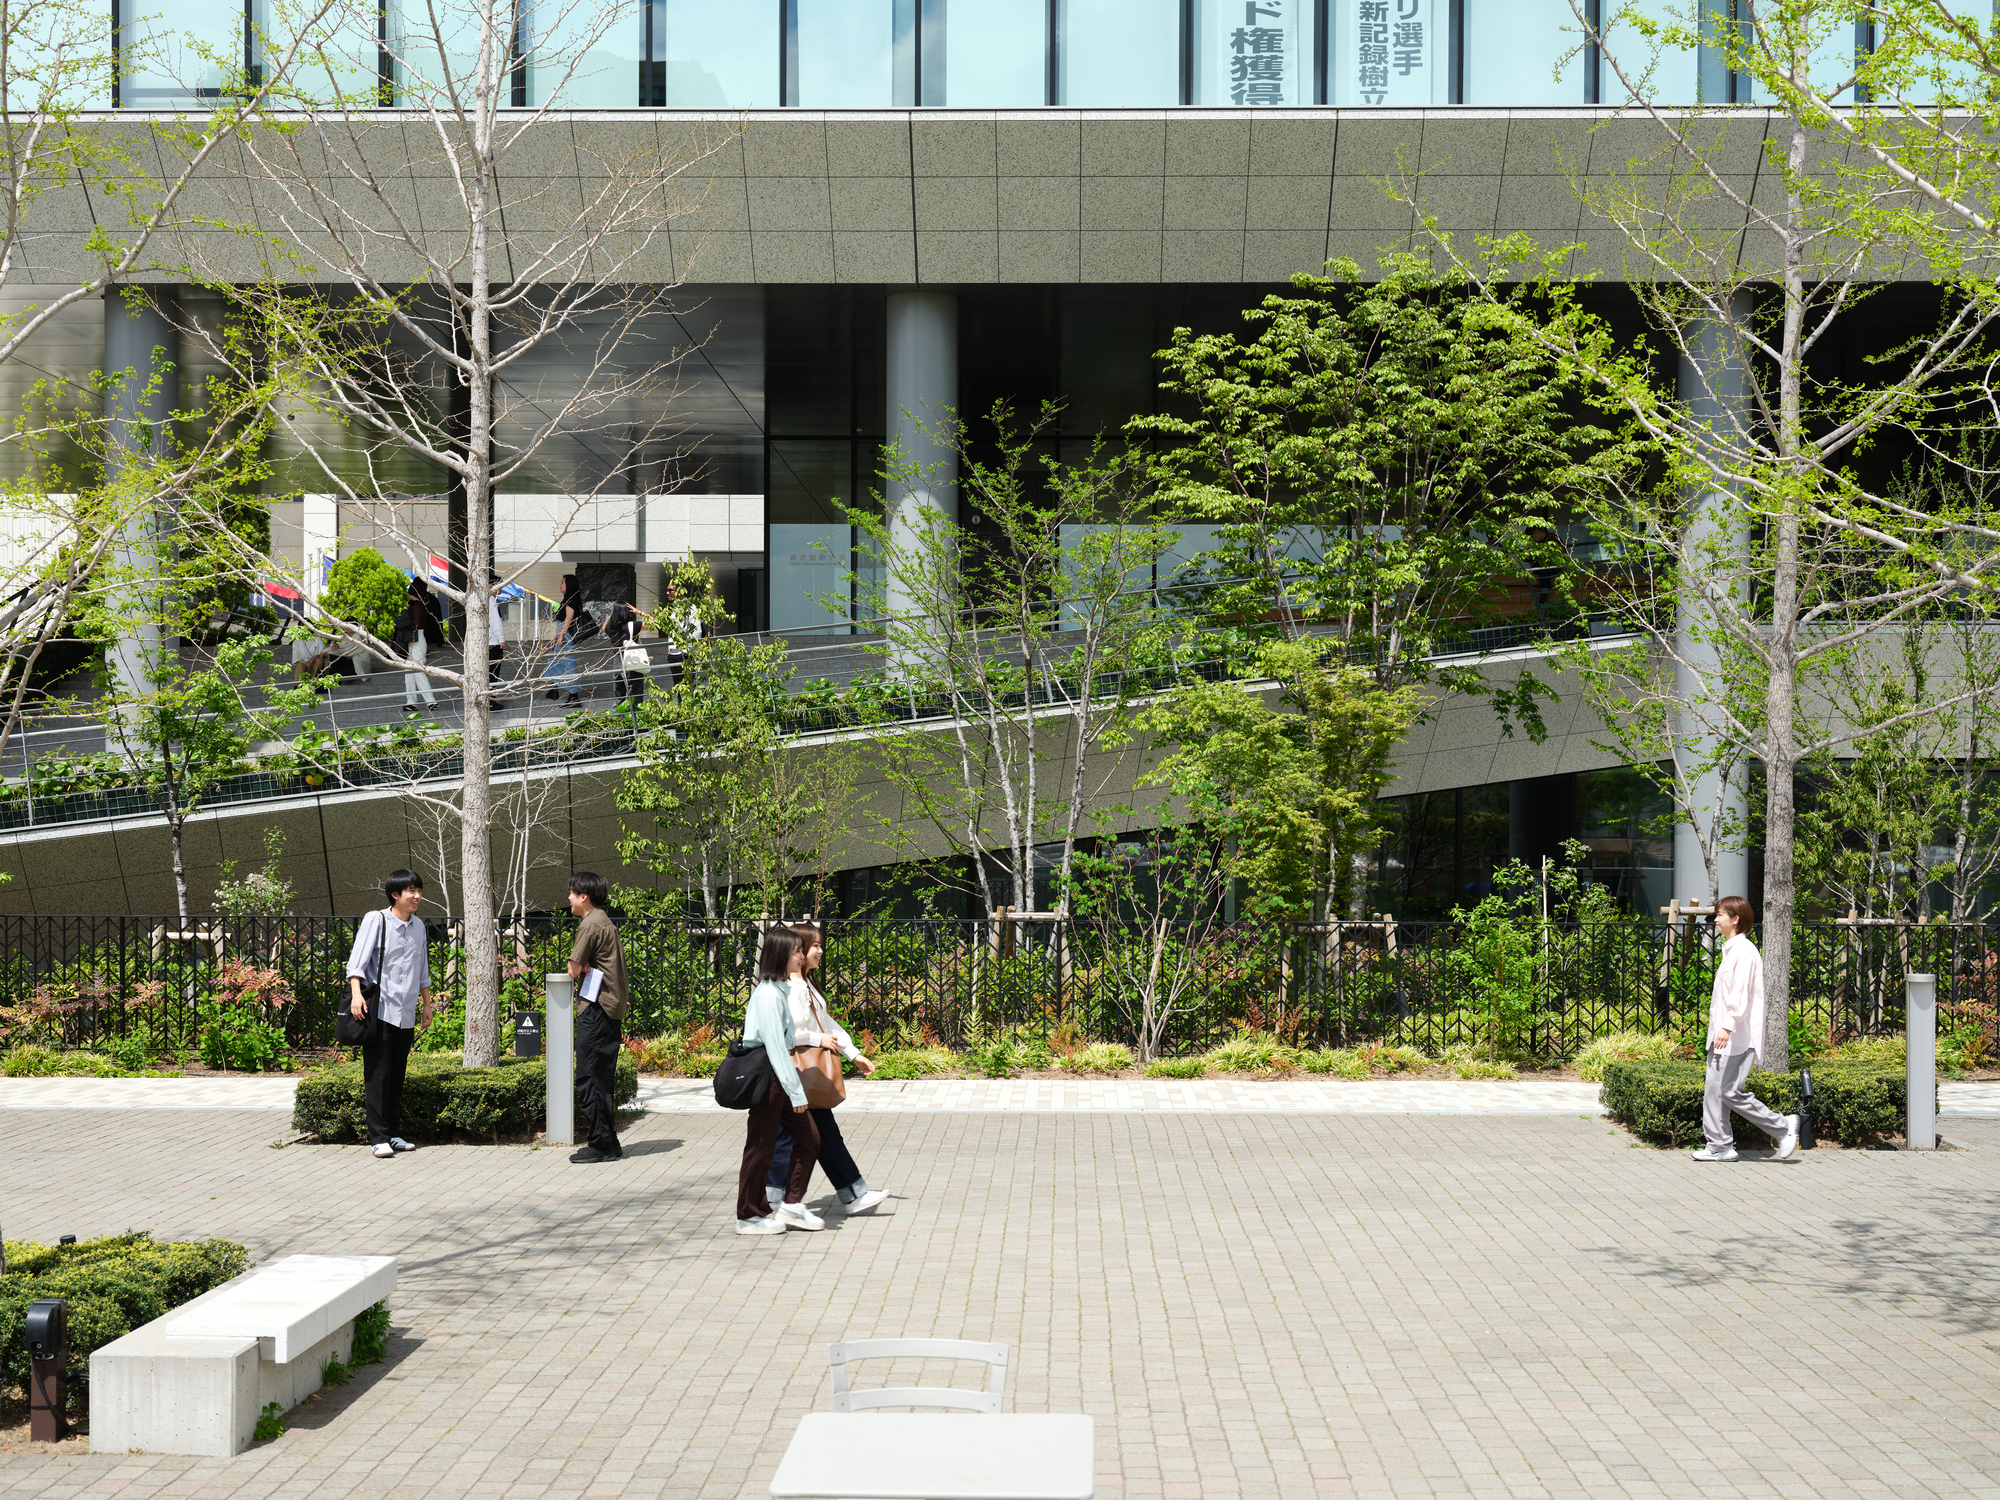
[1535, 991]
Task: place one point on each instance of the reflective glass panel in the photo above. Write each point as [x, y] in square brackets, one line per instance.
[845, 58]
[807, 564]
[1113, 53]
[1251, 52]
[1512, 48]
[1390, 54]
[178, 57]
[1652, 70]
[718, 56]
[584, 54]
[996, 53]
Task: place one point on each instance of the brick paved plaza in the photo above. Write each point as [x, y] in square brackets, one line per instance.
[1307, 1304]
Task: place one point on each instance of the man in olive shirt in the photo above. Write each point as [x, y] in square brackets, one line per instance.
[597, 1030]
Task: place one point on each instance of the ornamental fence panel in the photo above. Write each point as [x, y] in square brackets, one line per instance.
[80, 980]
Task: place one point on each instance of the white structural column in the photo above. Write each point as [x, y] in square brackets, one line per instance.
[923, 398]
[141, 342]
[1713, 386]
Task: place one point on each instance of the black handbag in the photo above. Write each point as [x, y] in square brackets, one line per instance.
[348, 1032]
[744, 1077]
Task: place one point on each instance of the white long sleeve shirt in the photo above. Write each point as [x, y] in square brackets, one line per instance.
[1737, 1004]
[813, 1025]
[768, 1020]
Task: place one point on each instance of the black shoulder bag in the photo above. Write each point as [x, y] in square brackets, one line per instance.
[744, 1077]
[348, 1032]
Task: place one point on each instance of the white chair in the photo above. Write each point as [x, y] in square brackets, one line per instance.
[993, 1356]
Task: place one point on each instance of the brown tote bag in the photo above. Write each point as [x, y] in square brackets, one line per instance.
[819, 1071]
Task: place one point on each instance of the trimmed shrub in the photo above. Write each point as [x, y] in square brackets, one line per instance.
[1177, 1067]
[1855, 1103]
[112, 1285]
[441, 1097]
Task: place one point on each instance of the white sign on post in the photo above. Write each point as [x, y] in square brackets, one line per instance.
[1389, 52]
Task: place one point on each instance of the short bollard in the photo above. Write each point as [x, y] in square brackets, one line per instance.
[559, 1056]
[1920, 1075]
[46, 1333]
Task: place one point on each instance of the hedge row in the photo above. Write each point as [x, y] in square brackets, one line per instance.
[1856, 1103]
[441, 1099]
[112, 1285]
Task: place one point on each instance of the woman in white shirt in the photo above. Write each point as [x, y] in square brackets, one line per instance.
[813, 1026]
[1736, 1041]
[767, 1020]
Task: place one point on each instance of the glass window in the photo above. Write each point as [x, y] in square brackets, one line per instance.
[1113, 53]
[716, 56]
[808, 564]
[1666, 75]
[1251, 52]
[177, 57]
[584, 56]
[841, 54]
[1392, 54]
[995, 53]
[1511, 51]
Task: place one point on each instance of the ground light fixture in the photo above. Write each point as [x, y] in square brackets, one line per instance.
[1805, 1109]
[47, 1336]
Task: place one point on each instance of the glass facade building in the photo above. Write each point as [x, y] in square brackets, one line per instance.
[986, 54]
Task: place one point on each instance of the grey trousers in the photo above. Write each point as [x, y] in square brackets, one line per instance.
[1724, 1091]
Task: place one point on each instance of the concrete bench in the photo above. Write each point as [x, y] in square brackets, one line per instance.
[195, 1380]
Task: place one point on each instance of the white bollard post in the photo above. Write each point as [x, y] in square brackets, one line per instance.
[559, 1056]
[1920, 1069]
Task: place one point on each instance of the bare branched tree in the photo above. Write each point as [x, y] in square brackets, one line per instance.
[443, 309]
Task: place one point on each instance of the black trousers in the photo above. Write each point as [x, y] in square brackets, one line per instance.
[597, 1039]
[385, 1061]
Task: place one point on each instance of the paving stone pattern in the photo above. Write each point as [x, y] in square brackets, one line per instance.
[1258, 1305]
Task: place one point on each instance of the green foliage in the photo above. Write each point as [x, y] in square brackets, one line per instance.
[1622, 1046]
[1857, 1101]
[441, 1096]
[261, 893]
[270, 1422]
[333, 1372]
[242, 1024]
[1177, 1067]
[1098, 1057]
[112, 1285]
[1481, 1068]
[371, 1336]
[365, 590]
[1253, 1052]
[129, 1051]
[31, 1061]
[915, 1062]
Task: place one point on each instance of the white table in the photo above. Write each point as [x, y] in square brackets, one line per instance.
[953, 1456]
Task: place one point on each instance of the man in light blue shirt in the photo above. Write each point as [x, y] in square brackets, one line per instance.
[392, 955]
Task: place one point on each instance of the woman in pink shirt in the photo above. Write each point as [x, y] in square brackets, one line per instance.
[1736, 1040]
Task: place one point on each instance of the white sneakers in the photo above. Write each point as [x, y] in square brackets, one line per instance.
[798, 1216]
[1781, 1149]
[400, 1144]
[769, 1224]
[385, 1149]
[1790, 1143]
[1709, 1153]
[866, 1201]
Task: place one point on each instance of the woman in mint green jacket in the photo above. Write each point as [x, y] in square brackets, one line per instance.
[768, 1019]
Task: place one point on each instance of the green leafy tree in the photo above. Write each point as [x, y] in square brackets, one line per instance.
[1029, 623]
[191, 725]
[364, 589]
[726, 804]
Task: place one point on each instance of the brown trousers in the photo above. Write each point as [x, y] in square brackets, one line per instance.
[761, 1139]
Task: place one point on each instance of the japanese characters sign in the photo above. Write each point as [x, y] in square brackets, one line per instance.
[1261, 59]
[1391, 52]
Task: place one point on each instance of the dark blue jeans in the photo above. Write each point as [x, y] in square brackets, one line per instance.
[833, 1155]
